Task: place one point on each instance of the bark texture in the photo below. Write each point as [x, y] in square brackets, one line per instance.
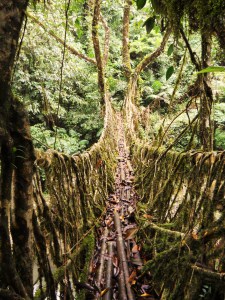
[97, 49]
[106, 40]
[17, 159]
[125, 50]
[206, 100]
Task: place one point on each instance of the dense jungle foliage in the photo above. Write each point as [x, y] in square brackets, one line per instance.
[64, 110]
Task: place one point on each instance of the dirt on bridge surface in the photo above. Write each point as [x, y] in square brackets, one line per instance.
[116, 267]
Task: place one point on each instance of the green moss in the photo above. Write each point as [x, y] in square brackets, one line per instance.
[89, 245]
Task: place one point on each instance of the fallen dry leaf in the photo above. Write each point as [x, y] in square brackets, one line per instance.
[109, 221]
[194, 235]
[146, 216]
[145, 295]
[104, 291]
[130, 209]
[132, 278]
[122, 218]
[135, 248]
[130, 233]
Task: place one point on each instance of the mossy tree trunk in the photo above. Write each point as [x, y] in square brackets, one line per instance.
[97, 49]
[206, 99]
[125, 46]
[130, 102]
[16, 161]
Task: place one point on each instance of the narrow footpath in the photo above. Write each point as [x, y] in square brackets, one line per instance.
[116, 265]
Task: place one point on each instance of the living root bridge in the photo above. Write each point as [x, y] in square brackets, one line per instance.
[117, 263]
[69, 194]
[182, 219]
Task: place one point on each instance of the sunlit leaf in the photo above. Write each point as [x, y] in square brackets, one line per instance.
[140, 3]
[149, 23]
[169, 72]
[83, 142]
[212, 69]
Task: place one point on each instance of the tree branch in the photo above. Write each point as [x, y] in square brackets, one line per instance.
[122, 255]
[176, 139]
[176, 116]
[150, 58]
[97, 49]
[125, 50]
[167, 231]
[106, 41]
[191, 53]
[192, 91]
[209, 273]
[61, 41]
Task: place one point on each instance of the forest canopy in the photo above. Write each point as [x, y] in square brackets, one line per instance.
[73, 110]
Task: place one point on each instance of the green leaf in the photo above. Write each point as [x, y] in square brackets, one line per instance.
[77, 23]
[99, 132]
[140, 3]
[170, 50]
[169, 72]
[212, 69]
[156, 86]
[83, 142]
[149, 23]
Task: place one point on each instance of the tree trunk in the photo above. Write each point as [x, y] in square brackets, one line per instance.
[125, 50]
[21, 226]
[206, 100]
[130, 107]
[17, 157]
[97, 49]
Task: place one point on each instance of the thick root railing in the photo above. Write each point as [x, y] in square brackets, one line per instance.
[182, 220]
[70, 194]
